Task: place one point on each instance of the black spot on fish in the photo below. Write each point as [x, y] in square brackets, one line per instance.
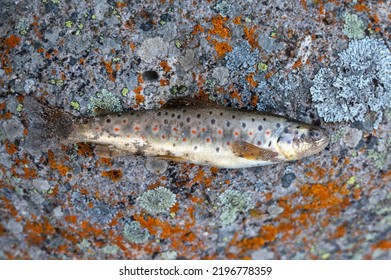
[298, 126]
[210, 112]
[289, 141]
[108, 121]
[195, 147]
[278, 125]
[217, 149]
[233, 116]
[184, 111]
[188, 119]
[173, 115]
[286, 130]
[181, 124]
[270, 143]
[260, 127]
[198, 116]
[228, 123]
[174, 145]
[302, 136]
[178, 117]
[279, 139]
[165, 113]
[212, 121]
[253, 120]
[264, 119]
[166, 121]
[244, 125]
[159, 114]
[221, 113]
[119, 115]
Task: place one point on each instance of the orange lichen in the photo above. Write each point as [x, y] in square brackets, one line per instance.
[237, 20]
[165, 66]
[114, 174]
[251, 36]
[339, 232]
[197, 29]
[218, 27]
[304, 5]
[221, 47]
[109, 69]
[62, 169]
[361, 8]
[297, 64]
[139, 98]
[251, 81]
[268, 233]
[382, 245]
[38, 231]
[164, 82]
[12, 41]
[10, 147]
[84, 149]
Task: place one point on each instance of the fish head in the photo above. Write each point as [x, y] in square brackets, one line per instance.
[299, 140]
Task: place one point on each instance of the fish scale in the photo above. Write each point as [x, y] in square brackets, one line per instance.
[203, 133]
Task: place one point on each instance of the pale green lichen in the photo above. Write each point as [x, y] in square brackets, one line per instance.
[135, 233]
[19, 108]
[110, 249]
[354, 27]
[169, 255]
[233, 202]
[262, 66]
[106, 101]
[75, 105]
[125, 91]
[157, 200]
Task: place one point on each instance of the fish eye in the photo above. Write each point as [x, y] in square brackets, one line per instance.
[315, 134]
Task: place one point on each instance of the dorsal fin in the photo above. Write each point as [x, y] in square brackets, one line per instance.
[249, 151]
[187, 102]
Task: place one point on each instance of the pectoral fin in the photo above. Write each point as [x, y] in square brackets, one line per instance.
[109, 151]
[251, 152]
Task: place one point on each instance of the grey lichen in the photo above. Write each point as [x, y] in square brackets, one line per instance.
[357, 83]
[354, 27]
[153, 49]
[157, 200]
[242, 59]
[106, 101]
[135, 233]
[233, 202]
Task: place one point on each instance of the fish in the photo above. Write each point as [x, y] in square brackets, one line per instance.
[183, 130]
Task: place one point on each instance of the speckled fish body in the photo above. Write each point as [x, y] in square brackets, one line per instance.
[202, 133]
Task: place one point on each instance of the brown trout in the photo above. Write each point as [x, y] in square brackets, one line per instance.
[184, 130]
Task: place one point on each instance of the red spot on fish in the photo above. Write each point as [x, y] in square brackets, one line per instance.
[228, 143]
[124, 121]
[128, 136]
[203, 129]
[163, 136]
[251, 133]
[97, 128]
[117, 129]
[175, 129]
[259, 143]
[208, 140]
[267, 132]
[220, 131]
[236, 133]
[155, 128]
[194, 131]
[184, 139]
[137, 128]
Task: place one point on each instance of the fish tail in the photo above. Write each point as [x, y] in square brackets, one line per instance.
[48, 127]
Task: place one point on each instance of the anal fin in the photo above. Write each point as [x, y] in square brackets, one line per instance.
[251, 152]
[109, 151]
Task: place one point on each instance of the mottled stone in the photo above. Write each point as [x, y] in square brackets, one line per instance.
[287, 180]
[221, 74]
[352, 137]
[274, 210]
[262, 254]
[41, 185]
[13, 129]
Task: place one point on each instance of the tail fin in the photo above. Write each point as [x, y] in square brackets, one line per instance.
[48, 127]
